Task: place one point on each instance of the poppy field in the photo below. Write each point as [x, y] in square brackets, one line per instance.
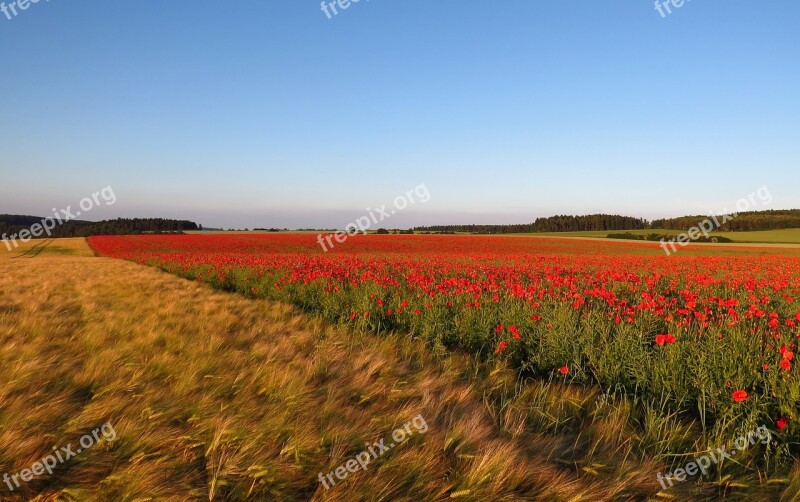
[708, 334]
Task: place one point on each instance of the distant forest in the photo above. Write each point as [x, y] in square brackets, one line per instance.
[552, 224]
[13, 224]
[745, 221]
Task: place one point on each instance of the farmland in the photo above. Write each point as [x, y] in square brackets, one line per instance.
[217, 397]
[700, 338]
[546, 369]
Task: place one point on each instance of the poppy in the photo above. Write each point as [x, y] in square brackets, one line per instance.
[739, 396]
[662, 340]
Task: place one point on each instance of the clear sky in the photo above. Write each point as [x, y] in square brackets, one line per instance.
[267, 113]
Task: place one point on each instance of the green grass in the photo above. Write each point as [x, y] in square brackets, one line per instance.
[784, 236]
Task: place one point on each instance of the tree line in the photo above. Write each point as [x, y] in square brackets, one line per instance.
[11, 225]
[561, 223]
[744, 221]
[775, 219]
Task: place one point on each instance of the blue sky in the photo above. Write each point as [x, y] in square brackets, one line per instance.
[267, 113]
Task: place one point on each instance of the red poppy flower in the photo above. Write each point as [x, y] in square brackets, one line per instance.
[498, 329]
[739, 396]
[564, 370]
[782, 423]
[500, 347]
[786, 364]
[661, 340]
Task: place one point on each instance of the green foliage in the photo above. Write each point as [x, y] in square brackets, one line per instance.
[13, 224]
[744, 221]
[562, 223]
[664, 237]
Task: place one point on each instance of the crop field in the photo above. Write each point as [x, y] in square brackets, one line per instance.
[599, 309]
[699, 340]
[207, 395]
[545, 369]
